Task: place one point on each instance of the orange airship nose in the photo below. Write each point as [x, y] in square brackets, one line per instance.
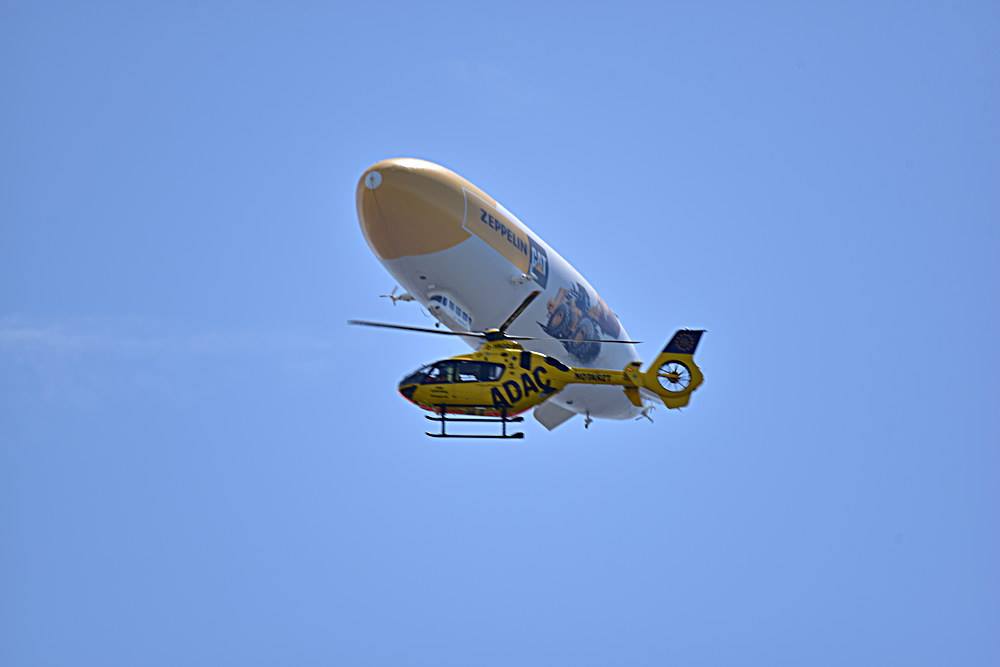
[412, 207]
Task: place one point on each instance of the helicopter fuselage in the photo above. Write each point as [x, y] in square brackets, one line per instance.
[503, 378]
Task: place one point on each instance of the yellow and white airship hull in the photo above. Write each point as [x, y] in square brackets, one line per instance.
[470, 262]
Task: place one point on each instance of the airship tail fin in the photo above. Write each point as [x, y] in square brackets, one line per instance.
[673, 375]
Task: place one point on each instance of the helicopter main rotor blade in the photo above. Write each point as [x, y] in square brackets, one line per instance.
[517, 312]
[383, 325]
[576, 340]
[597, 340]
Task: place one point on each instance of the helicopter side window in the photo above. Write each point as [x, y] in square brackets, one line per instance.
[478, 371]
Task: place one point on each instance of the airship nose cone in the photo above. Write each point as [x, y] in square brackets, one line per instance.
[411, 207]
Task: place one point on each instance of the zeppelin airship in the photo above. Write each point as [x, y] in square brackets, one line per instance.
[469, 261]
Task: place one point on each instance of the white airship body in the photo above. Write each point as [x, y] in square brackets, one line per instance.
[469, 261]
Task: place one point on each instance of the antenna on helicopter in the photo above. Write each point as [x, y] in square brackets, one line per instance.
[405, 296]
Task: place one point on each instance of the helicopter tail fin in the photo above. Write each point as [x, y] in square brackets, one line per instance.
[673, 375]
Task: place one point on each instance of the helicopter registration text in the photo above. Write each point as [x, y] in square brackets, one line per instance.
[592, 377]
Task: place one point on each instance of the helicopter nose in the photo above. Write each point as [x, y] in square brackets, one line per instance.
[411, 207]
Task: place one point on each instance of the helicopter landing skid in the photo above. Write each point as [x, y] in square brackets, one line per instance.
[444, 418]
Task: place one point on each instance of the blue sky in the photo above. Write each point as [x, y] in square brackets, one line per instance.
[201, 464]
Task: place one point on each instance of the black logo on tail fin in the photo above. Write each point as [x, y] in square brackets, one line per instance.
[684, 341]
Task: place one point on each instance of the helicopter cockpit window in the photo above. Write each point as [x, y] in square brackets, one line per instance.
[416, 377]
[478, 371]
[441, 373]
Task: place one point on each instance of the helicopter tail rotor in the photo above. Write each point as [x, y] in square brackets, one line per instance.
[673, 375]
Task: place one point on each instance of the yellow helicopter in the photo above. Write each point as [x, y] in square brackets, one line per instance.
[501, 379]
